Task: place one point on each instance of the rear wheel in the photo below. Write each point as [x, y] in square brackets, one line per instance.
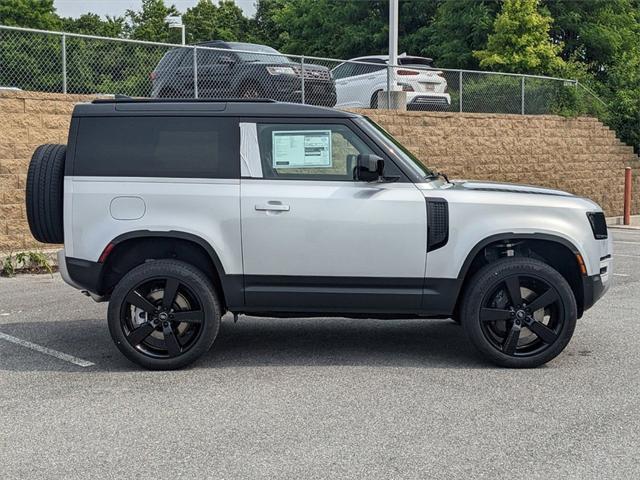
[164, 314]
[519, 312]
[374, 99]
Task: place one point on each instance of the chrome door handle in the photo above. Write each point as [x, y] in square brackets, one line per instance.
[275, 207]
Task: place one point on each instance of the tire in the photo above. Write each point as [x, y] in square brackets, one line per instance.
[527, 332]
[251, 90]
[166, 334]
[44, 193]
[374, 100]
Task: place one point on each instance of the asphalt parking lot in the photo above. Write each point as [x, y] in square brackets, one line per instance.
[316, 398]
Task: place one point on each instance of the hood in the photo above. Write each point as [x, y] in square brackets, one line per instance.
[507, 187]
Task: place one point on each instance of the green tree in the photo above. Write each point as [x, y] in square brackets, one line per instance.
[459, 27]
[149, 23]
[520, 41]
[92, 24]
[208, 21]
[324, 27]
[29, 13]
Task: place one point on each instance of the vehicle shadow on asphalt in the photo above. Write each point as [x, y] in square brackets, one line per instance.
[260, 342]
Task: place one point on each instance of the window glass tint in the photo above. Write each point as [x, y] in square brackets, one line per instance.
[343, 71]
[309, 151]
[207, 56]
[363, 69]
[185, 147]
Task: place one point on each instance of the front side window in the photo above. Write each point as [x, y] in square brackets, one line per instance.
[394, 147]
[179, 147]
[309, 151]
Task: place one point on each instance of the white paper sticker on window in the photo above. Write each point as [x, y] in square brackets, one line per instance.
[301, 148]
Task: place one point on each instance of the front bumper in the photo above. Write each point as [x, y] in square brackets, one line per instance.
[595, 286]
[593, 289]
[289, 89]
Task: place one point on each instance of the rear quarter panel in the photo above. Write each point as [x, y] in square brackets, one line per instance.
[207, 208]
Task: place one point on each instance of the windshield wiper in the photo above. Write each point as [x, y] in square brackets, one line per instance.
[436, 175]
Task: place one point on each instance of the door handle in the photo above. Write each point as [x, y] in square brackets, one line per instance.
[274, 207]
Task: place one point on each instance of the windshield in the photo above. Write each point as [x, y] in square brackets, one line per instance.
[273, 57]
[394, 146]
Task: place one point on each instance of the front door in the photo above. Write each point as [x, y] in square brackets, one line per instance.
[313, 239]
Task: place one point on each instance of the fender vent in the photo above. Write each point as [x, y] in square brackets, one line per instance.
[437, 223]
[598, 224]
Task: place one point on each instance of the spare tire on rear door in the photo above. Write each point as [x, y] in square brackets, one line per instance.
[45, 182]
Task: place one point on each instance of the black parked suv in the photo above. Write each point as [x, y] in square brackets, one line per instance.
[241, 70]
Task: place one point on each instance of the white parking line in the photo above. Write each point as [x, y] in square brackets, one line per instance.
[626, 242]
[47, 351]
[628, 256]
[621, 275]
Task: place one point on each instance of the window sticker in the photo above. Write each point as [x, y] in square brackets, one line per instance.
[301, 149]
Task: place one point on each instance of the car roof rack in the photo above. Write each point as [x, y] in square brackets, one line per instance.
[127, 99]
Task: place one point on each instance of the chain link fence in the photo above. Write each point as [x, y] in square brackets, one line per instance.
[72, 63]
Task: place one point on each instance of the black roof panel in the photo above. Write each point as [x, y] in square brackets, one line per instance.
[217, 107]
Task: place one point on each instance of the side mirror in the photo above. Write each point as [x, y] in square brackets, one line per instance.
[227, 60]
[369, 168]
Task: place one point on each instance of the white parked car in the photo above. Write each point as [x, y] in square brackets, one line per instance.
[358, 84]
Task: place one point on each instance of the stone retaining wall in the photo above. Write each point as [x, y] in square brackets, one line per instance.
[578, 155]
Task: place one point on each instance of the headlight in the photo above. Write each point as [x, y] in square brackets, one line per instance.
[281, 71]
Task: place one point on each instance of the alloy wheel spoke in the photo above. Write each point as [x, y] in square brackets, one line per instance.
[542, 331]
[193, 316]
[140, 333]
[170, 340]
[511, 342]
[170, 292]
[544, 300]
[513, 289]
[137, 300]
[494, 314]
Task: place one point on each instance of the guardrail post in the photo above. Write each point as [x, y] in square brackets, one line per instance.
[64, 63]
[522, 95]
[195, 72]
[627, 196]
[302, 77]
[460, 89]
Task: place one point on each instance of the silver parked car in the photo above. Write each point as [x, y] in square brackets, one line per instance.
[179, 211]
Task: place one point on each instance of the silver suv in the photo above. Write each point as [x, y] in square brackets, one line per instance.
[179, 211]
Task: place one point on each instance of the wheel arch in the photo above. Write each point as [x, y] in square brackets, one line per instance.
[133, 248]
[558, 252]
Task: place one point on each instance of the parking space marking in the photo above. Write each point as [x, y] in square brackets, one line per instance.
[626, 242]
[628, 256]
[47, 351]
[621, 275]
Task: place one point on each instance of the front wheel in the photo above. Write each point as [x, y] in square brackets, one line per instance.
[164, 314]
[519, 312]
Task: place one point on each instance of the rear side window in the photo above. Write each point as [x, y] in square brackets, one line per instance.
[182, 147]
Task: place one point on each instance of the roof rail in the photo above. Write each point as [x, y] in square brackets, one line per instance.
[127, 99]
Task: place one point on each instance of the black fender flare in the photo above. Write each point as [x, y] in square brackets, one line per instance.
[232, 285]
[512, 236]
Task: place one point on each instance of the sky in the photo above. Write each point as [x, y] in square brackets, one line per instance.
[75, 8]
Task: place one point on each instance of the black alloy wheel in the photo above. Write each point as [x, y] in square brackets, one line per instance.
[521, 316]
[161, 317]
[519, 312]
[164, 314]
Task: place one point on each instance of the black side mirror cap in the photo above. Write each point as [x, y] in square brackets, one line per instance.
[369, 167]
